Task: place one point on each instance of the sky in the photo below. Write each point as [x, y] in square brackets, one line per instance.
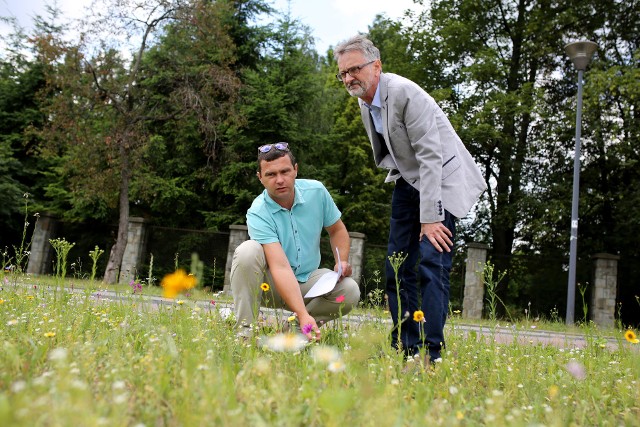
[331, 21]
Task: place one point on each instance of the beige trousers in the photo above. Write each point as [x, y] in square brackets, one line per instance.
[249, 270]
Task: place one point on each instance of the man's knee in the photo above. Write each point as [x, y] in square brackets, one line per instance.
[351, 293]
[247, 253]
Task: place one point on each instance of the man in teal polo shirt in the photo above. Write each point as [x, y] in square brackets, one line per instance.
[285, 223]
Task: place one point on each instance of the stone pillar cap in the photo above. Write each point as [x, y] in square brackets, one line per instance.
[477, 245]
[238, 227]
[603, 255]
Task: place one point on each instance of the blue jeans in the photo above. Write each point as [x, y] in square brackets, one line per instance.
[425, 269]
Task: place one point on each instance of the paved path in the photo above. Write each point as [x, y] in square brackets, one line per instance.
[500, 334]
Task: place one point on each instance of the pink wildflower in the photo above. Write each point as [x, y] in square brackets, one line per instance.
[576, 369]
[306, 329]
[340, 299]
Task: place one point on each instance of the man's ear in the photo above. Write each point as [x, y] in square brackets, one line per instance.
[258, 175]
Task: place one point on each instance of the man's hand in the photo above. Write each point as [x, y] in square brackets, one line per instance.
[438, 235]
[346, 269]
[309, 327]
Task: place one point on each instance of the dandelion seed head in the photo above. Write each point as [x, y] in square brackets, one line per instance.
[290, 342]
[119, 385]
[262, 366]
[18, 386]
[325, 354]
[336, 366]
[58, 354]
[120, 399]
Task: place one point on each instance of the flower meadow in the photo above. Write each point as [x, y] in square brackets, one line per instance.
[71, 357]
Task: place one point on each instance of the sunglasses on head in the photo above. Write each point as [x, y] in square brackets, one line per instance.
[281, 146]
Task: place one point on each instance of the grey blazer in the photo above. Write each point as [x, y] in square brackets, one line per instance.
[424, 149]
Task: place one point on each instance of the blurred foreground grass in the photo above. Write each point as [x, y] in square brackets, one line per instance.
[69, 358]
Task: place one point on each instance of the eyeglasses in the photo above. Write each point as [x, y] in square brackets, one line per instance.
[353, 71]
[282, 146]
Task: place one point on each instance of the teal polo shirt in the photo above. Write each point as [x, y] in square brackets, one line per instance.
[298, 230]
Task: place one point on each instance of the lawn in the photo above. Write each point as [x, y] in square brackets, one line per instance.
[70, 358]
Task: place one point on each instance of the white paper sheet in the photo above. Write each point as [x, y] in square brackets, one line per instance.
[327, 282]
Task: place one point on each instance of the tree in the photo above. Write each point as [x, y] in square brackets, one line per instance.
[276, 104]
[22, 77]
[105, 104]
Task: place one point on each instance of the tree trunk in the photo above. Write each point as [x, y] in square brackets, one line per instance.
[117, 250]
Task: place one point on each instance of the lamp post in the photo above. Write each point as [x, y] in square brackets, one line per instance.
[580, 54]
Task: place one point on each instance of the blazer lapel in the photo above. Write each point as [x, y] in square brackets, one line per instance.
[383, 85]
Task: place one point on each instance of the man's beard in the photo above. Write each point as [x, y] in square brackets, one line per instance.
[357, 91]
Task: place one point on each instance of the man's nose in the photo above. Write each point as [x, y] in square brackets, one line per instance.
[348, 78]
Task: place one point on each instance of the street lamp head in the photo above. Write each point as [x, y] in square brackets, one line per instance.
[580, 53]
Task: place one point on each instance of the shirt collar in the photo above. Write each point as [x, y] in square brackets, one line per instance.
[376, 99]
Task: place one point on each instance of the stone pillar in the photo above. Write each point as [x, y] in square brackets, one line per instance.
[41, 250]
[473, 281]
[135, 250]
[356, 254]
[603, 293]
[237, 235]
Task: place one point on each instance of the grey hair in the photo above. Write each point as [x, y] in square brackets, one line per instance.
[357, 43]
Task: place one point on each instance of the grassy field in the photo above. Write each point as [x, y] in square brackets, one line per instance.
[71, 359]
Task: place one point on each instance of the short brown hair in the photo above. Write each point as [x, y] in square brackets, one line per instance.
[274, 154]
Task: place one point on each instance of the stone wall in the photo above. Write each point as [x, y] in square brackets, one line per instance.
[41, 250]
[603, 293]
[473, 281]
[135, 250]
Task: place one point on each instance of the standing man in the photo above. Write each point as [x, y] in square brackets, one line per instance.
[435, 179]
[285, 224]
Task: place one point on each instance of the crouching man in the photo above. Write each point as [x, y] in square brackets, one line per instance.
[285, 223]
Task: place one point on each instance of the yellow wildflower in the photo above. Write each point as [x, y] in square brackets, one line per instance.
[49, 334]
[631, 337]
[418, 316]
[265, 287]
[174, 283]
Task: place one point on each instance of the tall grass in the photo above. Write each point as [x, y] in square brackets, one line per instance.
[74, 358]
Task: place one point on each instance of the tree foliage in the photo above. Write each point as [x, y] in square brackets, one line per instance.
[162, 118]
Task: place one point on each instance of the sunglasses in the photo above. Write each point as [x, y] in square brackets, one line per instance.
[281, 146]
